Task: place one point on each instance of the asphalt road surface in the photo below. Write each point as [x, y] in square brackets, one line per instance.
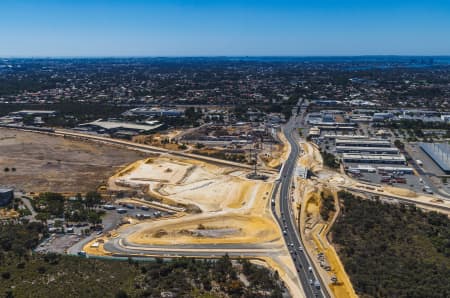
[291, 235]
[425, 177]
[119, 246]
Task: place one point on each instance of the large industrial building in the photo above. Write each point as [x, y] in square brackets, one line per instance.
[374, 158]
[155, 112]
[120, 129]
[344, 137]
[34, 113]
[363, 143]
[381, 170]
[402, 170]
[439, 153]
[370, 150]
[6, 196]
[336, 127]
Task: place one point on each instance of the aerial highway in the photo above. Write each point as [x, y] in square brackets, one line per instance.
[304, 266]
[307, 274]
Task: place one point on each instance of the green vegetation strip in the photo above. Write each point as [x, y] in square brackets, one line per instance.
[393, 250]
[26, 274]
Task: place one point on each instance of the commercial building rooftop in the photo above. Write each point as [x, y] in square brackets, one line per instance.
[363, 143]
[374, 158]
[439, 153]
[396, 169]
[34, 112]
[155, 111]
[377, 150]
[113, 125]
[345, 137]
[314, 131]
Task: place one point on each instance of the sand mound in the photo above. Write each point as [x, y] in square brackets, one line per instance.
[158, 170]
[401, 191]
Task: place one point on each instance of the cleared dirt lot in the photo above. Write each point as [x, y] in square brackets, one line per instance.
[211, 188]
[234, 208]
[48, 163]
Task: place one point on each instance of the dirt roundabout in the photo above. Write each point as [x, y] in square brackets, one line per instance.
[226, 228]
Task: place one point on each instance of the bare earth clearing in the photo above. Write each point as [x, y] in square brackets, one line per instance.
[46, 163]
[234, 208]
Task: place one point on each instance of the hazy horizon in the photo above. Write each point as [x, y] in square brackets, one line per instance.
[227, 56]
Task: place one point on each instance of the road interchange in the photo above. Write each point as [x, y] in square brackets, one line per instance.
[281, 195]
[303, 266]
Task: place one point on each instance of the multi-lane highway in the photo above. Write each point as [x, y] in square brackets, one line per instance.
[306, 271]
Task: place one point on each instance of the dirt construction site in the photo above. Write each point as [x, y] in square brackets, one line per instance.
[212, 205]
[221, 207]
[230, 207]
[39, 162]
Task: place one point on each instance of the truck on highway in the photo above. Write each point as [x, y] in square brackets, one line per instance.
[317, 284]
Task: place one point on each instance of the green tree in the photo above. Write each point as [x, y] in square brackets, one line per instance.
[121, 294]
[94, 218]
[399, 144]
[199, 145]
[43, 217]
[92, 199]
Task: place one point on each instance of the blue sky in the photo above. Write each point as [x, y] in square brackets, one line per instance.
[228, 27]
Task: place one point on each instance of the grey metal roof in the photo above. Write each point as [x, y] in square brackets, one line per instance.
[439, 152]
